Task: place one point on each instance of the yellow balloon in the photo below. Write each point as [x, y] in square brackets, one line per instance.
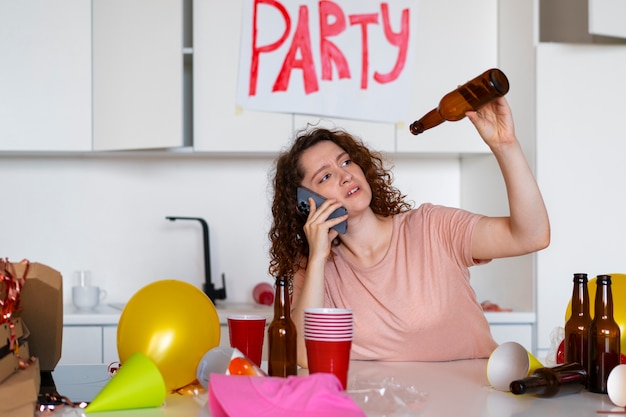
[618, 289]
[174, 324]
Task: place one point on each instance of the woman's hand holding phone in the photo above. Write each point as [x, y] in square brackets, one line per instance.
[303, 205]
[320, 232]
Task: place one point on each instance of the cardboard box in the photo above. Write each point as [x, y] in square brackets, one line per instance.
[41, 309]
[9, 362]
[18, 393]
[5, 332]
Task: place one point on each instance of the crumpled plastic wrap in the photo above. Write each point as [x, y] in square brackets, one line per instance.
[556, 337]
[387, 398]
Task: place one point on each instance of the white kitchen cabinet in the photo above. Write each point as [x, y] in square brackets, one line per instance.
[378, 136]
[89, 344]
[446, 59]
[520, 333]
[81, 345]
[219, 124]
[91, 337]
[137, 92]
[451, 58]
[606, 17]
[109, 344]
[138, 88]
[503, 330]
[512, 327]
[45, 75]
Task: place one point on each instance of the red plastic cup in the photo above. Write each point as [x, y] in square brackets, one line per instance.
[246, 334]
[330, 357]
[263, 293]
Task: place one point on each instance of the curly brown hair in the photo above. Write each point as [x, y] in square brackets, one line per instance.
[289, 247]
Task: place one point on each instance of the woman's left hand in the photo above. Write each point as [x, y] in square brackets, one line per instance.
[494, 122]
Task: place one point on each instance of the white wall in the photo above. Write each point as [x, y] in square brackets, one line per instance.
[107, 214]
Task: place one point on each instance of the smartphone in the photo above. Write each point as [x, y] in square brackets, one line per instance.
[304, 207]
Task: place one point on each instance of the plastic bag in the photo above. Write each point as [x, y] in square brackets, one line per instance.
[387, 398]
[556, 337]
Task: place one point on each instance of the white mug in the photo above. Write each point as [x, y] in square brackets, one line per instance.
[87, 298]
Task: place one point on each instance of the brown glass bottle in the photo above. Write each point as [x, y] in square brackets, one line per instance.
[604, 337]
[472, 95]
[282, 336]
[576, 346]
[564, 379]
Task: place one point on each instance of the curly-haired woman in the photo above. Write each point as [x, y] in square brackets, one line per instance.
[403, 271]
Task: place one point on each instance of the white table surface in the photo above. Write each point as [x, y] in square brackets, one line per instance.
[444, 389]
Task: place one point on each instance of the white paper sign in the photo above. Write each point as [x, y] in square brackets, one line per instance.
[349, 59]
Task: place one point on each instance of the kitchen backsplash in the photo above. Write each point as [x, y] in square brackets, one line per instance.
[106, 214]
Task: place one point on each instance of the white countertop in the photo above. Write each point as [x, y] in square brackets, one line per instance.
[109, 315]
[438, 389]
[511, 317]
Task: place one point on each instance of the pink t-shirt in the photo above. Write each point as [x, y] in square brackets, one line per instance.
[417, 303]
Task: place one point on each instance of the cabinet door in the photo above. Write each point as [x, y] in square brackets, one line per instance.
[45, 75]
[224, 337]
[606, 17]
[137, 74]
[453, 48]
[81, 345]
[378, 136]
[520, 333]
[109, 344]
[219, 124]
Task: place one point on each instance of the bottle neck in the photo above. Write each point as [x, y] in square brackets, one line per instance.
[604, 300]
[282, 303]
[580, 298]
[431, 119]
[534, 384]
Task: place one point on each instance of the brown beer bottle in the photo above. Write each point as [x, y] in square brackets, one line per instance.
[282, 340]
[604, 337]
[576, 346]
[472, 95]
[564, 379]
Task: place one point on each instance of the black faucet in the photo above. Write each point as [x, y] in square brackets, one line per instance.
[209, 288]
